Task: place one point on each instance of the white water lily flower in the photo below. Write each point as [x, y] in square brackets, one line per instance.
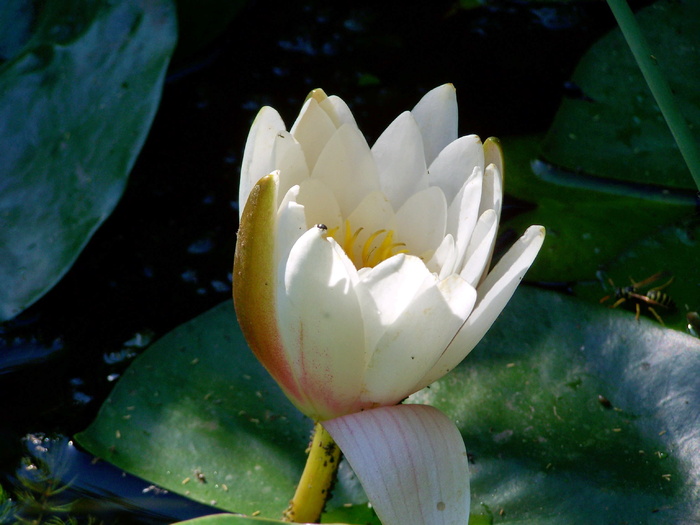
[362, 275]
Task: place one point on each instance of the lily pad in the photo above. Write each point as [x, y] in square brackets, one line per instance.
[77, 98]
[547, 448]
[614, 129]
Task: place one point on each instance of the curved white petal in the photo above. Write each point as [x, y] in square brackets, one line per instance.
[436, 115]
[312, 129]
[443, 260]
[478, 254]
[493, 294]
[455, 163]
[492, 190]
[421, 222]
[291, 225]
[463, 213]
[385, 291]
[289, 158]
[411, 461]
[415, 341]
[257, 156]
[338, 110]
[398, 154]
[346, 166]
[320, 204]
[320, 324]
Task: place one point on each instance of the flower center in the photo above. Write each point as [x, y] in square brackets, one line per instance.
[367, 251]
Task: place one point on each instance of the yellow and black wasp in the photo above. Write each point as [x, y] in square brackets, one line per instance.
[654, 299]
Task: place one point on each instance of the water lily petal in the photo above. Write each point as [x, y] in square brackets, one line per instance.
[398, 154]
[257, 156]
[492, 190]
[346, 166]
[493, 154]
[463, 213]
[415, 341]
[478, 254]
[436, 115]
[421, 222]
[338, 110]
[291, 224]
[312, 129]
[455, 163]
[320, 204]
[443, 260]
[253, 289]
[385, 290]
[411, 461]
[288, 155]
[320, 324]
[493, 294]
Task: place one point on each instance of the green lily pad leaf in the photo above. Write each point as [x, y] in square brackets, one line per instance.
[231, 519]
[624, 229]
[577, 414]
[77, 99]
[615, 129]
[199, 416]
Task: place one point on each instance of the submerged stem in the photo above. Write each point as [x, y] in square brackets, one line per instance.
[658, 85]
[317, 479]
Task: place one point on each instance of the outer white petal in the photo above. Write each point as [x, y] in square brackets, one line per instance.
[455, 164]
[421, 222]
[313, 128]
[464, 212]
[415, 341]
[257, 156]
[346, 166]
[411, 461]
[478, 254]
[400, 160]
[436, 115]
[320, 324]
[493, 294]
[289, 159]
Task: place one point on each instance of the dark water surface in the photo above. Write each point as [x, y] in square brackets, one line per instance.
[165, 254]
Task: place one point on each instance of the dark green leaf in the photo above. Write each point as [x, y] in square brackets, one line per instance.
[615, 129]
[76, 102]
[546, 449]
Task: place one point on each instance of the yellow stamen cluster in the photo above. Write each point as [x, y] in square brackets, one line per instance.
[372, 251]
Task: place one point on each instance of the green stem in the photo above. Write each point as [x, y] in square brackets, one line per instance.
[658, 85]
[316, 481]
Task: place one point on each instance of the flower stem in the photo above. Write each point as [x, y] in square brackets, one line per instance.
[658, 85]
[316, 481]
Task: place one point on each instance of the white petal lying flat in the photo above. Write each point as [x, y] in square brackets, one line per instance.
[494, 294]
[454, 165]
[320, 323]
[411, 461]
[398, 154]
[436, 115]
[312, 130]
[257, 156]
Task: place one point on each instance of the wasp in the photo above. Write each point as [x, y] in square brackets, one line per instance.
[652, 300]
